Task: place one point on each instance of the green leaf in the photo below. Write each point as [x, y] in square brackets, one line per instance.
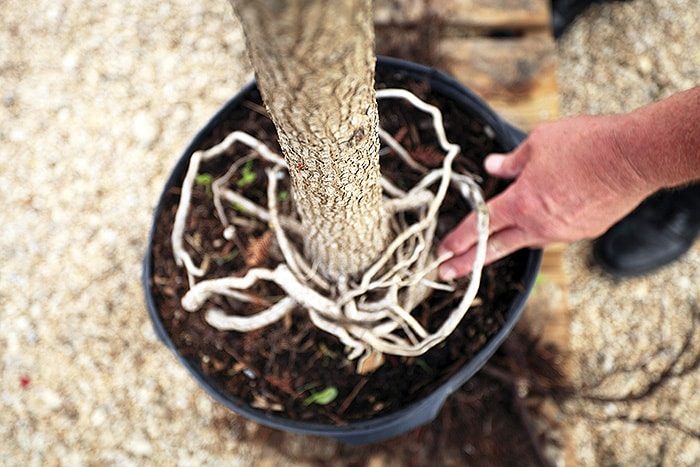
[238, 207]
[248, 175]
[204, 179]
[282, 196]
[324, 397]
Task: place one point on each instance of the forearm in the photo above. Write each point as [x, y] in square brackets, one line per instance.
[661, 141]
[574, 178]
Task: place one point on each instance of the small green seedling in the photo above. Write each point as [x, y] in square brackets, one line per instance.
[205, 180]
[248, 175]
[324, 397]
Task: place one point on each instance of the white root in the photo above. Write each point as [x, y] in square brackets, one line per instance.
[200, 292]
[181, 255]
[437, 285]
[403, 154]
[404, 275]
[293, 259]
[253, 143]
[249, 207]
[219, 182]
[410, 202]
[391, 189]
[224, 322]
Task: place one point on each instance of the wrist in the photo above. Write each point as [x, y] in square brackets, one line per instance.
[629, 140]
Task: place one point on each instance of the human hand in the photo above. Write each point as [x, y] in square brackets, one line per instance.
[573, 181]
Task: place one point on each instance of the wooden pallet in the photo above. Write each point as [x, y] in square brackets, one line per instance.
[502, 49]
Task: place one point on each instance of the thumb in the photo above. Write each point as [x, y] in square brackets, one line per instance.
[506, 165]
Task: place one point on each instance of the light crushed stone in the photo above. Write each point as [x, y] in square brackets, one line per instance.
[636, 342]
[97, 101]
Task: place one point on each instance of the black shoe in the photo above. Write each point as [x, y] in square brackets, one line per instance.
[658, 232]
[565, 11]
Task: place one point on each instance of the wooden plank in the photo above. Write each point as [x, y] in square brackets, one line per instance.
[465, 17]
[493, 14]
[399, 12]
[517, 76]
[553, 320]
[548, 317]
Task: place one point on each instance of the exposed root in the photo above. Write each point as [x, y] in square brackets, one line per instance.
[403, 276]
[403, 154]
[224, 322]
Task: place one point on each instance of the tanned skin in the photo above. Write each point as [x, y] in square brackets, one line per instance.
[576, 177]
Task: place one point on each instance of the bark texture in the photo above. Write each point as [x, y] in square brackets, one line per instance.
[314, 63]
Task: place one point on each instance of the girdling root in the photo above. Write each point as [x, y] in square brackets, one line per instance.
[370, 315]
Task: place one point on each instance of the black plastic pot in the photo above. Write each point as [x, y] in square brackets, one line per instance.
[423, 410]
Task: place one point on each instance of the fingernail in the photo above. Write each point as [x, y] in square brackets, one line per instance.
[448, 273]
[441, 251]
[494, 162]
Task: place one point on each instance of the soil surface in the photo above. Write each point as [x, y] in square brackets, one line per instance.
[488, 422]
[279, 367]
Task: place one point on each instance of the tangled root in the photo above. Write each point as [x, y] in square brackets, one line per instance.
[403, 276]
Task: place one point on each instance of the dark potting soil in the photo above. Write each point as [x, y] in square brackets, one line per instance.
[279, 367]
[487, 422]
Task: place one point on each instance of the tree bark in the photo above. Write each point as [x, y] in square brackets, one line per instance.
[314, 64]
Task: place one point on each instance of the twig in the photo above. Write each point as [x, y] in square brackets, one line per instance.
[351, 397]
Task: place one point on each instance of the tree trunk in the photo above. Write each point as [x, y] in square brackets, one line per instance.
[314, 63]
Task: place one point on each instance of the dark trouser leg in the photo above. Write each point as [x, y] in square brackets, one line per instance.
[658, 232]
[565, 11]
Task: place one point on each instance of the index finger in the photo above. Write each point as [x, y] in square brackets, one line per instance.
[464, 236]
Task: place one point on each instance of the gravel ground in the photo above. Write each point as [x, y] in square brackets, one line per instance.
[635, 343]
[98, 98]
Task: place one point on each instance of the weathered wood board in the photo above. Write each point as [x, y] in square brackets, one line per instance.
[502, 49]
[494, 14]
[467, 15]
[516, 76]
